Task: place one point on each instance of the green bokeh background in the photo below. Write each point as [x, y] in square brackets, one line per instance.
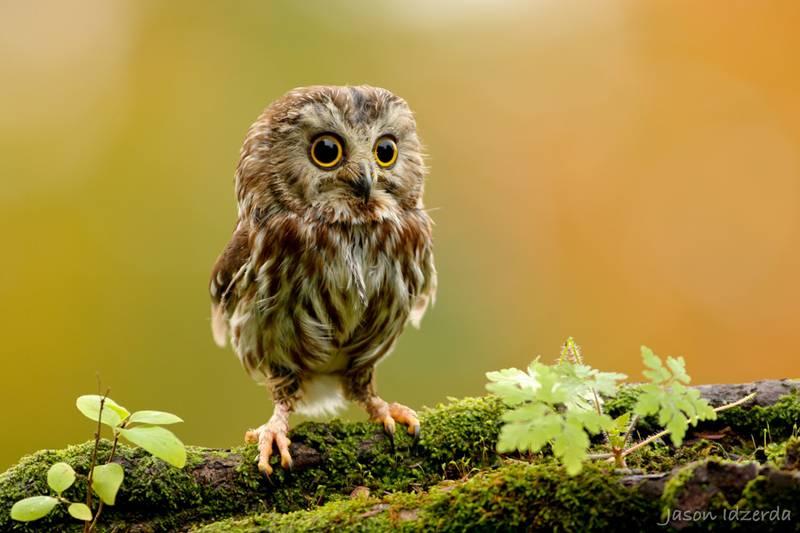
[624, 172]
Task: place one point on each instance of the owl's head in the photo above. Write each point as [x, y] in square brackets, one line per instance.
[332, 154]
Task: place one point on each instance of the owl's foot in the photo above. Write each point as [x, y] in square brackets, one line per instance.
[273, 431]
[390, 413]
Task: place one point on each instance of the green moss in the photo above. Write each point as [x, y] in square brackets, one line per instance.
[539, 497]
[765, 494]
[516, 496]
[785, 454]
[467, 427]
[790, 458]
[780, 418]
[674, 487]
[351, 454]
[661, 457]
[151, 488]
[733, 493]
[624, 401]
[458, 439]
[341, 515]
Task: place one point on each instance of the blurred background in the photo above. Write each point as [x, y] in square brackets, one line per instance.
[624, 172]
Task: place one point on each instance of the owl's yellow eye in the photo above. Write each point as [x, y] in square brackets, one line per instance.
[326, 151]
[385, 152]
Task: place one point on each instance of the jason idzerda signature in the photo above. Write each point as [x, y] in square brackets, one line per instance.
[728, 515]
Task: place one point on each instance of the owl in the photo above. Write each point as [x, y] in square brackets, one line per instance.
[330, 258]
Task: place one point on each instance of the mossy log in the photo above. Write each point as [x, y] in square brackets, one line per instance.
[347, 477]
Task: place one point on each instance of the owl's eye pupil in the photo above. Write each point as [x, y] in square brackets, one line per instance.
[326, 151]
[386, 152]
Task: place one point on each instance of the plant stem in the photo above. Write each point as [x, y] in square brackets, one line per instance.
[598, 456]
[631, 427]
[574, 351]
[100, 505]
[87, 525]
[660, 434]
[599, 409]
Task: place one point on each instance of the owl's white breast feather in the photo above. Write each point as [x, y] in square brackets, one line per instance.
[321, 396]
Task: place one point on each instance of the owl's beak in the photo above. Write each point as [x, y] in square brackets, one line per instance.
[362, 186]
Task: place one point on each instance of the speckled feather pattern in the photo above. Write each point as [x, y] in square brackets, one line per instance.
[316, 285]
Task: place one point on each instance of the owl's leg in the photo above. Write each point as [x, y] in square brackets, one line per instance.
[359, 386]
[284, 386]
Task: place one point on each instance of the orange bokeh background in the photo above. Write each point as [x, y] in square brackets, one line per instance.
[623, 172]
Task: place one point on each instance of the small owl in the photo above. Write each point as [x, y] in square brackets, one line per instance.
[331, 255]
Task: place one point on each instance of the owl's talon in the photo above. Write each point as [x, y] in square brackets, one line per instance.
[390, 415]
[265, 436]
[405, 415]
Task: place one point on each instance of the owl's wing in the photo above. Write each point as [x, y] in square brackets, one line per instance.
[226, 271]
[427, 293]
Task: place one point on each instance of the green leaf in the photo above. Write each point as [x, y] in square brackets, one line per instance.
[648, 401]
[678, 368]
[705, 411]
[154, 417]
[554, 404]
[512, 385]
[60, 477]
[606, 382]
[676, 405]
[33, 508]
[553, 388]
[657, 376]
[650, 359]
[510, 375]
[543, 431]
[616, 435]
[80, 511]
[106, 480]
[677, 426]
[526, 413]
[113, 413]
[510, 394]
[621, 422]
[158, 441]
[513, 437]
[590, 420]
[570, 446]
[528, 427]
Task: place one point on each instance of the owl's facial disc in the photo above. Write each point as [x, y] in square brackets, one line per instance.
[333, 154]
[327, 152]
[358, 190]
[352, 171]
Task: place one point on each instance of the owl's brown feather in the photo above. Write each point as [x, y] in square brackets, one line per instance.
[318, 281]
[221, 286]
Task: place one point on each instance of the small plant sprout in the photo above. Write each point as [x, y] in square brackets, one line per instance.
[555, 404]
[561, 405]
[142, 428]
